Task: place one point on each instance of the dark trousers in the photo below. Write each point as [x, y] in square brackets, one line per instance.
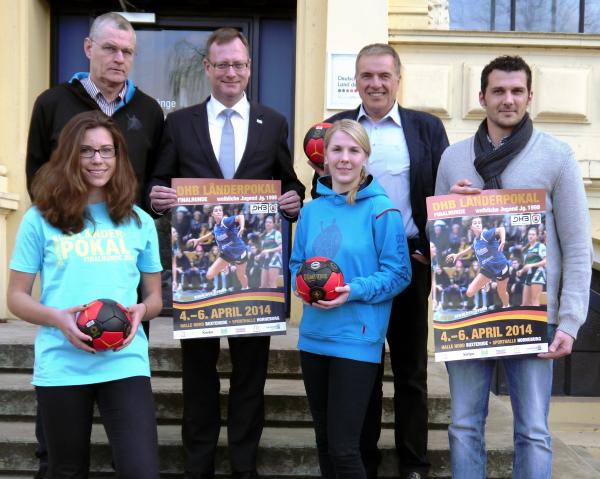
[41, 451]
[128, 414]
[201, 408]
[407, 341]
[338, 392]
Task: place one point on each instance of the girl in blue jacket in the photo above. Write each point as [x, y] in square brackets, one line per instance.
[353, 223]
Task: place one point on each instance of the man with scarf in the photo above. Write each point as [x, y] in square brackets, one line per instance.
[507, 152]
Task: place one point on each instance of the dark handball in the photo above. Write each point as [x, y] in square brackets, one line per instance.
[317, 279]
[314, 145]
[107, 322]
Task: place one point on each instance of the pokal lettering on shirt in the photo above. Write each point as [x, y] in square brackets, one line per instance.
[488, 256]
[226, 240]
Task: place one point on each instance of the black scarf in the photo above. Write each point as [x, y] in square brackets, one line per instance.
[490, 162]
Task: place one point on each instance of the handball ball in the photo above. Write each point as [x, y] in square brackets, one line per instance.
[107, 322]
[314, 143]
[317, 279]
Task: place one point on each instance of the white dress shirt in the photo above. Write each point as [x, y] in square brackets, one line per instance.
[390, 162]
[240, 121]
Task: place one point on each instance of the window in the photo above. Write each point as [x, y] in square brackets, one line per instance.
[566, 16]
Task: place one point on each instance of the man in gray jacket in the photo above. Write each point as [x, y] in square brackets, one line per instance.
[507, 152]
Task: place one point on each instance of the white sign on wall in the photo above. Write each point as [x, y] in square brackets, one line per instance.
[341, 85]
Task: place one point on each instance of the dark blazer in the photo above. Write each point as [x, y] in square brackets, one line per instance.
[426, 139]
[186, 150]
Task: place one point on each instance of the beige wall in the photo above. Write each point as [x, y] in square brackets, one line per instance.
[323, 27]
[441, 73]
[25, 39]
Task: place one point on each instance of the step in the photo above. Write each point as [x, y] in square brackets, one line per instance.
[283, 452]
[285, 401]
[17, 337]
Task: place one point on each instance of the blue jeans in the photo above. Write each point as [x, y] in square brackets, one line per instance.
[530, 387]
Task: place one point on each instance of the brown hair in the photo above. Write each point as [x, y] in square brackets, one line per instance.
[358, 133]
[59, 190]
[226, 35]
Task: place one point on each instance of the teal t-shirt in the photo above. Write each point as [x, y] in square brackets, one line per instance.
[102, 261]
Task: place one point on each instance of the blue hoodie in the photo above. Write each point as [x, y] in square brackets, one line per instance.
[368, 243]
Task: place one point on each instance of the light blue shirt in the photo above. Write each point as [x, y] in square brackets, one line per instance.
[390, 162]
[102, 261]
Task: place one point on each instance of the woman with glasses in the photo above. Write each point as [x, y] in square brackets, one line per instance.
[87, 240]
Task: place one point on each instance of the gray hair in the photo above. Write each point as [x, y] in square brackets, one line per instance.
[376, 49]
[113, 19]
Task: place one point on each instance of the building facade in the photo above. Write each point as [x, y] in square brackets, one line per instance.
[441, 68]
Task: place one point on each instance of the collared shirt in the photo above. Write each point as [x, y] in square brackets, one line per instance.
[107, 107]
[502, 141]
[390, 162]
[240, 121]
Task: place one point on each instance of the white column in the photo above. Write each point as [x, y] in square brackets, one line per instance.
[9, 202]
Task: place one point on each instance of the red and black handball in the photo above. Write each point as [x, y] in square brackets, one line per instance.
[107, 322]
[314, 143]
[317, 279]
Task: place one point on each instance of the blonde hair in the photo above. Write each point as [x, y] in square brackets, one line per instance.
[357, 132]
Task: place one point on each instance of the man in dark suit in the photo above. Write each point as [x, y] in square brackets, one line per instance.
[406, 150]
[225, 137]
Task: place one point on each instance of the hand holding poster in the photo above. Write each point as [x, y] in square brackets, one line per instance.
[488, 257]
[227, 258]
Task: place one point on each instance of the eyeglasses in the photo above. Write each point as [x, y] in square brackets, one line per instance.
[104, 151]
[223, 66]
[112, 50]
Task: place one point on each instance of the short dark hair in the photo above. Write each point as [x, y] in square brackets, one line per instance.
[226, 35]
[505, 63]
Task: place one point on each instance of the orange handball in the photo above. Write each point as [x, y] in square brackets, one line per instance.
[314, 143]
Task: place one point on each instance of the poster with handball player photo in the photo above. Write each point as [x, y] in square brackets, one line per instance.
[488, 259]
[227, 262]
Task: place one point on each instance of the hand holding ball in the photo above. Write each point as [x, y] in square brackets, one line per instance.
[317, 279]
[107, 322]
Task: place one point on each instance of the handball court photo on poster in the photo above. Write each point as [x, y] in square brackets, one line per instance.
[227, 262]
[488, 257]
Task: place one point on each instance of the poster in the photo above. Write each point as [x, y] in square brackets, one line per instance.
[341, 84]
[226, 242]
[488, 256]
